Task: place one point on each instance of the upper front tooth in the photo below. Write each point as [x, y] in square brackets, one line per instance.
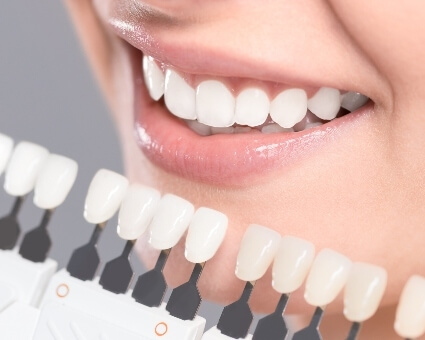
[54, 182]
[171, 219]
[289, 107]
[104, 196]
[6, 146]
[24, 167]
[252, 107]
[179, 96]
[410, 315]
[215, 104]
[327, 277]
[257, 250]
[364, 290]
[154, 77]
[291, 264]
[205, 235]
[326, 103]
[351, 101]
[137, 210]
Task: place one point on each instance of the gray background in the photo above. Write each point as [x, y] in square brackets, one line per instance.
[48, 96]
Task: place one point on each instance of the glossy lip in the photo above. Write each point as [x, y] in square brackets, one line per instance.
[224, 160]
[220, 160]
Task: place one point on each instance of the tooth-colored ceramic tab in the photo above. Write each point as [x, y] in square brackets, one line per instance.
[410, 315]
[215, 104]
[106, 192]
[257, 251]
[351, 101]
[291, 264]
[24, 167]
[56, 178]
[154, 78]
[327, 277]
[137, 210]
[205, 235]
[289, 107]
[6, 146]
[179, 96]
[326, 103]
[252, 107]
[364, 290]
[170, 221]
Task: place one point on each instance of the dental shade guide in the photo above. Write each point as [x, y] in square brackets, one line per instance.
[170, 221]
[257, 250]
[311, 332]
[205, 235]
[290, 268]
[21, 173]
[354, 331]
[104, 196]
[53, 184]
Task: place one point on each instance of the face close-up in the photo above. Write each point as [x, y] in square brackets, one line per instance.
[305, 117]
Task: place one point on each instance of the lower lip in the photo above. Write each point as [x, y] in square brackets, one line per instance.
[225, 160]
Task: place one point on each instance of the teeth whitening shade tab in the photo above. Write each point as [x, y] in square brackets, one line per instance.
[53, 184]
[169, 223]
[364, 290]
[136, 212]
[327, 277]
[257, 251]
[290, 268]
[105, 194]
[206, 233]
[21, 174]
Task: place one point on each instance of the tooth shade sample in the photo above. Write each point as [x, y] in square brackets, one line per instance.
[257, 251]
[205, 235]
[364, 290]
[105, 194]
[326, 103]
[56, 178]
[327, 277]
[137, 210]
[351, 101]
[24, 167]
[170, 221]
[291, 264]
[215, 104]
[289, 107]
[410, 315]
[154, 78]
[252, 107]
[6, 146]
[179, 96]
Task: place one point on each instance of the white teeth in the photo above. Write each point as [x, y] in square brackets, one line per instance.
[327, 277]
[24, 167]
[170, 221]
[154, 78]
[106, 192]
[252, 107]
[215, 104]
[326, 103]
[137, 210]
[56, 178]
[364, 290]
[289, 107]
[351, 101]
[205, 235]
[410, 315]
[275, 128]
[200, 129]
[179, 96]
[291, 264]
[6, 146]
[257, 250]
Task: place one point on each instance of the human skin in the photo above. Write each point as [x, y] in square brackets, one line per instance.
[361, 195]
